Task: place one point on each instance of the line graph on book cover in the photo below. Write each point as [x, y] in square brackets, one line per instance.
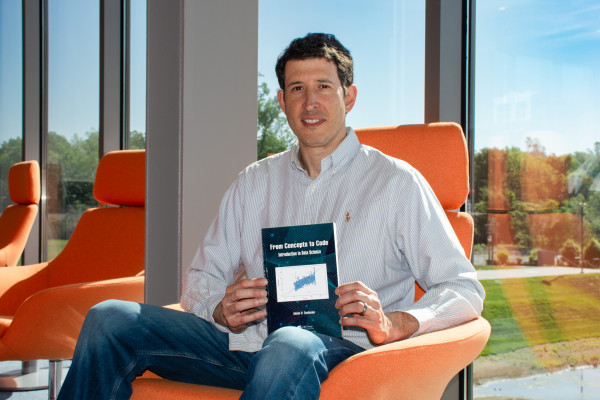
[301, 282]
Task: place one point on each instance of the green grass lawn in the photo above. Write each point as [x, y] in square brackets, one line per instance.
[524, 312]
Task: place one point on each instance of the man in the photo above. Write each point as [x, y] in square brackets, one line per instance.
[391, 232]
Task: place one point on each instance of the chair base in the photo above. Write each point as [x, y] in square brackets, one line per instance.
[30, 377]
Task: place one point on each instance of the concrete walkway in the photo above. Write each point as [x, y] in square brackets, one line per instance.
[528, 272]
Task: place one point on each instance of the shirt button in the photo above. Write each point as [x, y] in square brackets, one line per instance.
[313, 189]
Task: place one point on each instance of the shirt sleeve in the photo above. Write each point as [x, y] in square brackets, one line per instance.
[217, 258]
[436, 259]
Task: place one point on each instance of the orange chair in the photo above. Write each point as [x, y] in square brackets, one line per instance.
[416, 368]
[17, 219]
[43, 305]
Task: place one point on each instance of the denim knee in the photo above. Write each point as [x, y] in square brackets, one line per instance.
[107, 319]
[289, 366]
[293, 344]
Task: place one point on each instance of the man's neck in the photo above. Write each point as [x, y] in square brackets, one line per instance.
[310, 157]
[311, 161]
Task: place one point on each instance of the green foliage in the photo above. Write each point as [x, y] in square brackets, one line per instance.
[11, 152]
[502, 257]
[533, 256]
[274, 135]
[137, 140]
[77, 158]
[523, 183]
[591, 212]
[71, 170]
[481, 173]
[591, 253]
[514, 165]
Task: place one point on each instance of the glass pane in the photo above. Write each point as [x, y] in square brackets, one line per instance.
[386, 39]
[537, 196]
[73, 116]
[11, 92]
[137, 76]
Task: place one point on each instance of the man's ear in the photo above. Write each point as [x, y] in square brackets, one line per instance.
[281, 98]
[350, 98]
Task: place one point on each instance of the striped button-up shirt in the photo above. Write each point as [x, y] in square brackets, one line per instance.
[391, 231]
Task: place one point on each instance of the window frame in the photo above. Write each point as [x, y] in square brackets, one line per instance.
[114, 94]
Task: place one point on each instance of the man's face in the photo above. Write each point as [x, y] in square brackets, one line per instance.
[315, 104]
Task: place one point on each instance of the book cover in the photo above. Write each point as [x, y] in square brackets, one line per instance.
[301, 266]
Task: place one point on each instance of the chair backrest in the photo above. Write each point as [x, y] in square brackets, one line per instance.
[439, 152]
[17, 219]
[108, 241]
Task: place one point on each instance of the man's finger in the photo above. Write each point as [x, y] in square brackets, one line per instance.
[242, 294]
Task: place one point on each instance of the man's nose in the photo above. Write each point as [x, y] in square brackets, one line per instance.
[310, 99]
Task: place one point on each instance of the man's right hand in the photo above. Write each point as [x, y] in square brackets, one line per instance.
[239, 306]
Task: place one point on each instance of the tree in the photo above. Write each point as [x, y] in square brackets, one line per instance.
[274, 135]
[11, 152]
[502, 257]
[570, 251]
[591, 253]
[137, 140]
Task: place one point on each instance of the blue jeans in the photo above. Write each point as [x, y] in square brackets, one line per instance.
[120, 340]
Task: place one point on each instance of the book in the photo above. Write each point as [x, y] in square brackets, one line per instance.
[301, 266]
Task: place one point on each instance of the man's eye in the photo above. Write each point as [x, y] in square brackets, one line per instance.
[296, 88]
[324, 86]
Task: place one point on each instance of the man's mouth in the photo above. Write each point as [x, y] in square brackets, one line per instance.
[312, 121]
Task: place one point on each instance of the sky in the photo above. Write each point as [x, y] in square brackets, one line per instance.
[10, 70]
[538, 74]
[385, 37]
[73, 67]
[537, 71]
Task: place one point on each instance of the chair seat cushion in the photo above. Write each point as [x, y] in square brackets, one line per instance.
[149, 388]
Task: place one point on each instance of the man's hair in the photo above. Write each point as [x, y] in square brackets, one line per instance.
[317, 45]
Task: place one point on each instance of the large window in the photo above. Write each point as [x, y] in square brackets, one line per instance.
[11, 92]
[73, 116]
[137, 75]
[386, 39]
[537, 196]
[68, 111]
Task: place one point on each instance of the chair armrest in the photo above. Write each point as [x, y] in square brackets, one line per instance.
[416, 368]
[47, 325]
[18, 283]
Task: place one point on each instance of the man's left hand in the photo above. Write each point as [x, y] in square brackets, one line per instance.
[359, 306]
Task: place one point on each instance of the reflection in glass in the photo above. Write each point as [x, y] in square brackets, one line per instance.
[386, 39]
[73, 116]
[537, 185]
[11, 92]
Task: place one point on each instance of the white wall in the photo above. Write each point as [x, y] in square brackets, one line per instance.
[220, 103]
[201, 125]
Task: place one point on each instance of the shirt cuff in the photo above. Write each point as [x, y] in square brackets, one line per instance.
[425, 317]
[206, 309]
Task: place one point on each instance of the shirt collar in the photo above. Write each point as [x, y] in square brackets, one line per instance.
[339, 158]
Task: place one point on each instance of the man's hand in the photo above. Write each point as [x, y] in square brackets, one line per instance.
[382, 328]
[239, 306]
